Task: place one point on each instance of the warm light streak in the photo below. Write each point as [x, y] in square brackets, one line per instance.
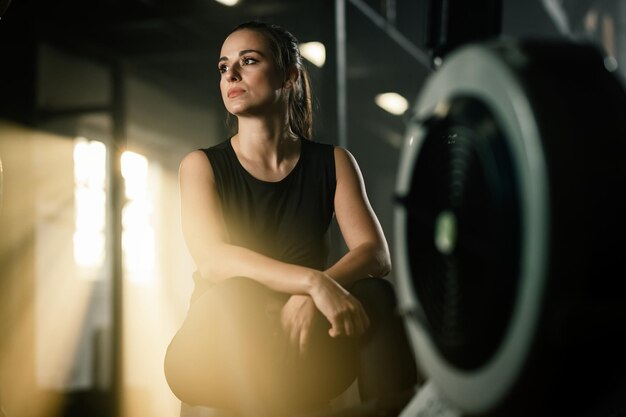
[152, 313]
[53, 224]
[138, 240]
[39, 352]
[88, 249]
[89, 162]
[89, 203]
[135, 173]
[394, 103]
[315, 52]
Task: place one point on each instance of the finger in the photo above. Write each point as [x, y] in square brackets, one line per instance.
[336, 326]
[305, 336]
[348, 324]
[283, 337]
[363, 317]
[292, 335]
[334, 331]
[356, 320]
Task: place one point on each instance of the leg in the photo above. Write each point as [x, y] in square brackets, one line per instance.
[227, 355]
[386, 362]
[221, 356]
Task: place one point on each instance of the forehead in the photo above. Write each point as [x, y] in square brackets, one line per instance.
[244, 39]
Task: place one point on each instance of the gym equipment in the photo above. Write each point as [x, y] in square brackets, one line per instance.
[509, 231]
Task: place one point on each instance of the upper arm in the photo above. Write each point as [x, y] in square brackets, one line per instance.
[201, 213]
[355, 216]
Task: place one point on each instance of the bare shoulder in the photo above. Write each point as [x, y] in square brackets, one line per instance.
[342, 155]
[195, 164]
[194, 160]
[345, 163]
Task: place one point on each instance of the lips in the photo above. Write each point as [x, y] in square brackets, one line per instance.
[235, 92]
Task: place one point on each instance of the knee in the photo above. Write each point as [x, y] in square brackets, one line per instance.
[374, 289]
[377, 295]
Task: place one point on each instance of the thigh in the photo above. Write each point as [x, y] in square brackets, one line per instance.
[225, 344]
[229, 352]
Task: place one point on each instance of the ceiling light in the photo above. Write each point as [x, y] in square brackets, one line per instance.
[228, 2]
[394, 103]
[314, 52]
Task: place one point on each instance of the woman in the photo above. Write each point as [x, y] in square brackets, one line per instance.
[271, 330]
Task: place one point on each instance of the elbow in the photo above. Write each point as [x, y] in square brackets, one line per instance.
[382, 258]
[206, 272]
[209, 266]
[212, 270]
[384, 267]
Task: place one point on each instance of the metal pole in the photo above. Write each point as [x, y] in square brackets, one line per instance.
[117, 194]
[391, 31]
[342, 107]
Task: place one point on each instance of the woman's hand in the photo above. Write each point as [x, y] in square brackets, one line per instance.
[344, 312]
[297, 317]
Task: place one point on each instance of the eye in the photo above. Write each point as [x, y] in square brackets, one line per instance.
[248, 61]
[222, 68]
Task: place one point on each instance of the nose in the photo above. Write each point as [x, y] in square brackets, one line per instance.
[232, 74]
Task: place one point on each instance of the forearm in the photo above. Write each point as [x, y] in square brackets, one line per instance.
[228, 261]
[366, 260]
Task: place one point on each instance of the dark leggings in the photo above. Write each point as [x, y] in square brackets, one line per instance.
[229, 352]
[386, 365]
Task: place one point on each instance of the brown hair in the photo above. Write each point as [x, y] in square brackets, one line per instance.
[286, 53]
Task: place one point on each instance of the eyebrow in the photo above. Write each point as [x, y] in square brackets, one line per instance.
[245, 51]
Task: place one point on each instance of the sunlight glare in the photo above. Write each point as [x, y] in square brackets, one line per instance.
[138, 240]
[89, 203]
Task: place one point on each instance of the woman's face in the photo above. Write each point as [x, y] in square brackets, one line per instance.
[250, 82]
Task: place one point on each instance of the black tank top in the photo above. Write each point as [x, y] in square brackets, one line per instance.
[287, 220]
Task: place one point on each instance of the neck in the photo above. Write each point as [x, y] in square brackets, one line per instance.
[268, 141]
